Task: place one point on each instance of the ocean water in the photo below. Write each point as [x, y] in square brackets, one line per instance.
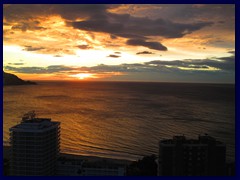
[125, 120]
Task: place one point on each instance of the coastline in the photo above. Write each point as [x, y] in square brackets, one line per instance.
[6, 155]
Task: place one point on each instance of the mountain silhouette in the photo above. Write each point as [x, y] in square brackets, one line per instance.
[11, 79]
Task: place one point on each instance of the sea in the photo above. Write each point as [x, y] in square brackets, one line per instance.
[125, 120]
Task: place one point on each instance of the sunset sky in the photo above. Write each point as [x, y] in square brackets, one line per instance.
[131, 42]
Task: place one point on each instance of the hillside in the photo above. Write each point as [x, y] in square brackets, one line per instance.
[11, 79]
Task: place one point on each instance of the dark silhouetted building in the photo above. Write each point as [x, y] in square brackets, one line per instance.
[192, 157]
[74, 165]
[35, 145]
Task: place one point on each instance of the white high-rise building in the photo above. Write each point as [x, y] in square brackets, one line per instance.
[35, 145]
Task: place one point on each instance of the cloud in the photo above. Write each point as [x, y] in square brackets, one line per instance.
[131, 35]
[113, 56]
[39, 70]
[117, 52]
[145, 52]
[16, 64]
[232, 52]
[125, 25]
[30, 48]
[24, 26]
[119, 24]
[226, 63]
[74, 11]
[83, 46]
[113, 36]
[12, 12]
[221, 22]
[160, 21]
[192, 13]
[57, 29]
[55, 51]
[149, 44]
[58, 55]
[221, 64]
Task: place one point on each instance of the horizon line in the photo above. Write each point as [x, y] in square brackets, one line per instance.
[135, 81]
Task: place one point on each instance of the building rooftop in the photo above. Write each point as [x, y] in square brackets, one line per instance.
[30, 123]
[202, 139]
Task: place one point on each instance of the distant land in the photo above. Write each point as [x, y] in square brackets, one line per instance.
[11, 79]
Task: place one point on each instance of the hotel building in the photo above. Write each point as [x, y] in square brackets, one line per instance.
[35, 145]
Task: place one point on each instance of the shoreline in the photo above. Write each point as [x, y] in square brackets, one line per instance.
[6, 155]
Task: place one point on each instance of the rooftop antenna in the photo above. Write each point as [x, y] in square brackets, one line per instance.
[29, 116]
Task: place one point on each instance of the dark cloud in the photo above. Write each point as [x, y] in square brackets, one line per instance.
[223, 65]
[74, 11]
[83, 46]
[30, 48]
[226, 63]
[16, 64]
[221, 22]
[145, 52]
[201, 48]
[150, 45]
[67, 11]
[24, 26]
[98, 18]
[113, 56]
[54, 51]
[98, 26]
[191, 13]
[58, 55]
[167, 20]
[128, 35]
[128, 26]
[20, 12]
[7, 24]
[39, 70]
[232, 52]
[117, 52]
[113, 36]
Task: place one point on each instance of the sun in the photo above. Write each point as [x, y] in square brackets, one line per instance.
[84, 76]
